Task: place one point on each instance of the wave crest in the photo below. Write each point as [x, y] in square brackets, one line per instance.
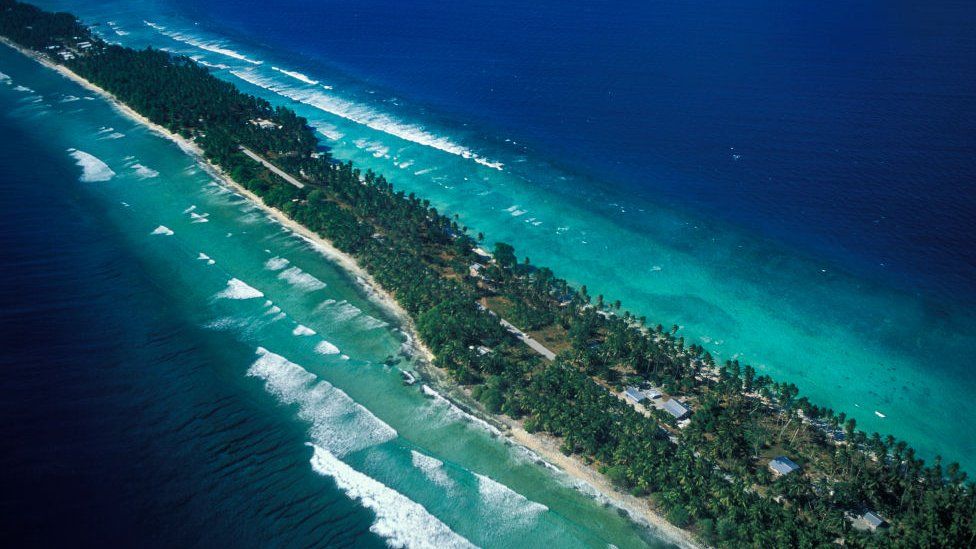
[92, 167]
[399, 519]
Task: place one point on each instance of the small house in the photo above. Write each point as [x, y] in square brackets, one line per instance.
[634, 395]
[676, 409]
[652, 393]
[782, 465]
[485, 256]
[475, 270]
[873, 521]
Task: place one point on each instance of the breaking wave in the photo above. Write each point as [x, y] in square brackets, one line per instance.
[276, 263]
[92, 168]
[457, 413]
[326, 348]
[339, 423]
[432, 467]
[301, 280]
[144, 172]
[399, 519]
[211, 46]
[162, 230]
[238, 289]
[499, 496]
[362, 114]
[296, 75]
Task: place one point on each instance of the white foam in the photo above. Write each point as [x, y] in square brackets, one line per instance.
[399, 519]
[378, 149]
[345, 311]
[367, 116]
[211, 46]
[163, 230]
[202, 61]
[92, 168]
[144, 172]
[296, 75]
[229, 323]
[190, 209]
[238, 289]
[5, 79]
[23, 89]
[499, 496]
[457, 412]
[69, 99]
[424, 171]
[199, 218]
[338, 423]
[302, 330]
[276, 263]
[326, 348]
[301, 280]
[370, 323]
[205, 257]
[433, 468]
[328, 130]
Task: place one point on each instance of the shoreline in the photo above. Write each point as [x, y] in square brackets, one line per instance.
[346, 262]
[544, 446]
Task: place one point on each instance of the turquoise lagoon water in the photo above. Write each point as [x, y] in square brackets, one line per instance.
[873, 345]
[183, 370]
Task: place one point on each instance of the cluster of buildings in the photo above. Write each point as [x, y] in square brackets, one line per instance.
[70, 52]
[675, 407]
[867, 520]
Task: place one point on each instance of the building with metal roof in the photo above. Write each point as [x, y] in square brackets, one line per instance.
[782, 465]
[676, 409]
[634, 395]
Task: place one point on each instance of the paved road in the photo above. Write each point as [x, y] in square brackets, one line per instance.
[273, 168]
[535, 345]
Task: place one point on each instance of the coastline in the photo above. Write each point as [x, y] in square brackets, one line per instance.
[544, 446]
[324, 246]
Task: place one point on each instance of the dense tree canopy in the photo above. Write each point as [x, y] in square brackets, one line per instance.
[709, 476]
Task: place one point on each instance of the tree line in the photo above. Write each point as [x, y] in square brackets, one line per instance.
[710, 476]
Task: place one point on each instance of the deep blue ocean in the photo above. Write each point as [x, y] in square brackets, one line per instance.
[844, 129]
[117, 427]
[790, 182]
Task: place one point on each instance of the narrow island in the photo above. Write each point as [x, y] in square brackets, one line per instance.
[712, 454]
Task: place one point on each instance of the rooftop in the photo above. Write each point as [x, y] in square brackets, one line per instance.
[634, 394]
[676, 409]
[783, 465]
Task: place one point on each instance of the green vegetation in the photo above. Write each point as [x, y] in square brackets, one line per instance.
[709, 476]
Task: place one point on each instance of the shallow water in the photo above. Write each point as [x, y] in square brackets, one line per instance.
[842, 262]
[183, 370]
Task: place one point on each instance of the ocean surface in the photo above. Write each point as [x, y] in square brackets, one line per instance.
[180, 370]
[790, 183]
